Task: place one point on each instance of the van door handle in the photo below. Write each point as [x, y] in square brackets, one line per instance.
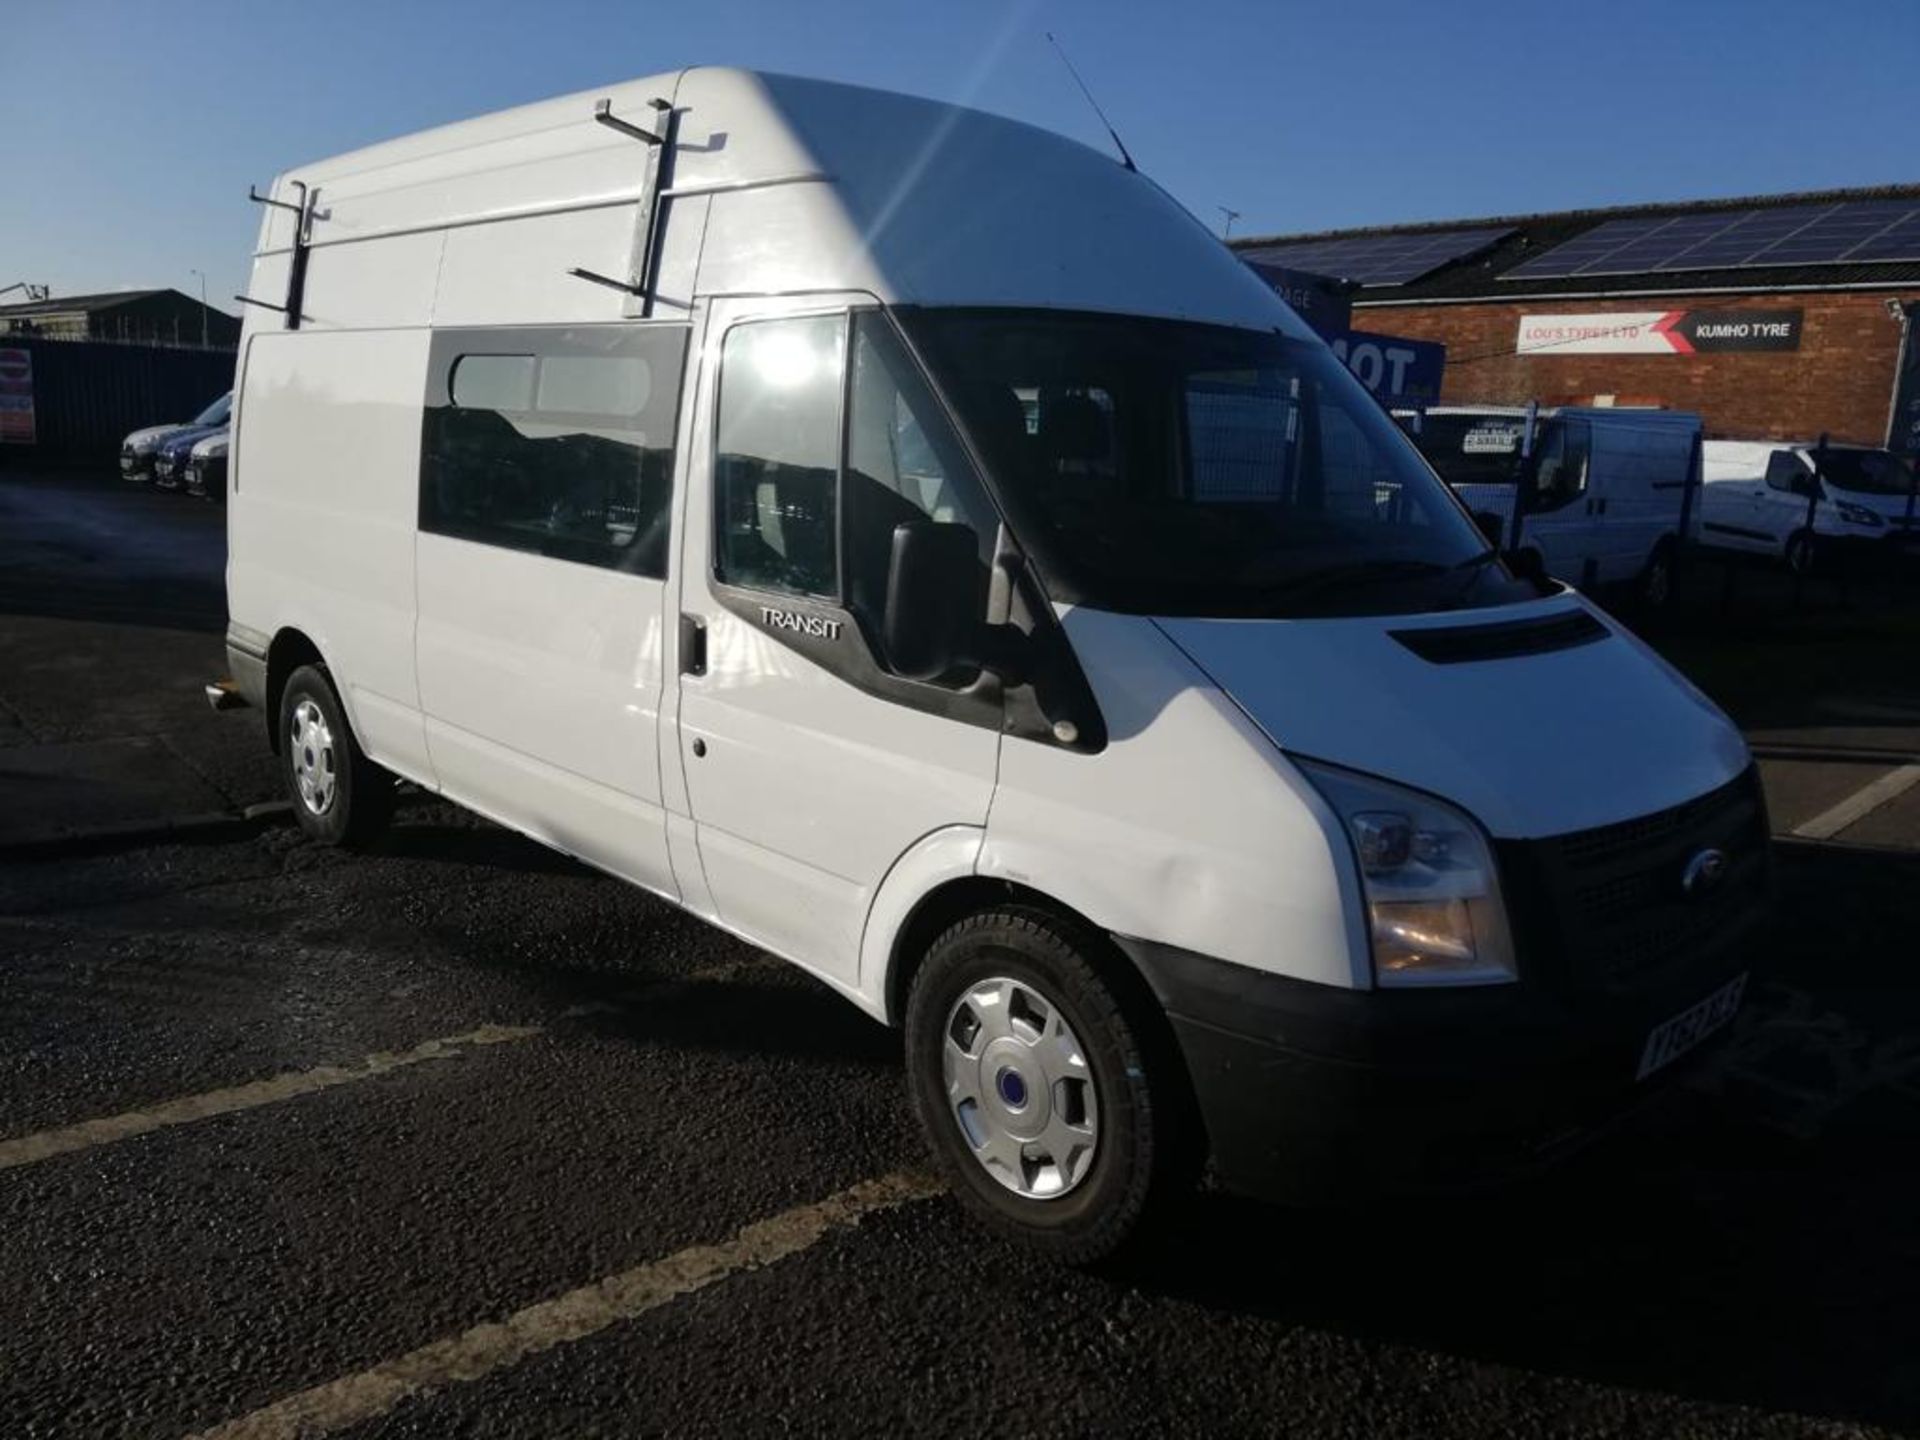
[693, 645]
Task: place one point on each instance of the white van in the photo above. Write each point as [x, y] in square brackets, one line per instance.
[1779, 498]
[1607, 487]
[910, 541]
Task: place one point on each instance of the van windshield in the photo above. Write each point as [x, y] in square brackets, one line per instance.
[1869, 472]
[1171, 468]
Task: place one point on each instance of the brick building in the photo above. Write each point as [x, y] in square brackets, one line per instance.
[1774, 317]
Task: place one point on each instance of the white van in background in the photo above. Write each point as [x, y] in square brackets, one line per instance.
[1607, 490]
[910, 541]
[1779, 498]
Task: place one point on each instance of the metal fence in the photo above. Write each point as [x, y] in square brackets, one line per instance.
[86, 395]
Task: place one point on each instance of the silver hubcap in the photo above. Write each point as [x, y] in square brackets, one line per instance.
[1657, 580]
[310, 743]
[1020, 1089]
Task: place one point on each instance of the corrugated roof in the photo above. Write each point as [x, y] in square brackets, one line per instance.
[1478, 278]
[67, 304]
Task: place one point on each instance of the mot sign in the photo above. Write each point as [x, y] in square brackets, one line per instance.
[1397, 370]
[1659, 332]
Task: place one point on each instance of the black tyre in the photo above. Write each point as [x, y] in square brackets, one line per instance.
[1059, 1120]
[339, 796]
[1799, 552]
[1654, 590]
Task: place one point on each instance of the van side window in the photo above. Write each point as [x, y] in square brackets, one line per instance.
[777, 455]
[1564, 451]
[559, 443]
[904, 465]
[1786, 472]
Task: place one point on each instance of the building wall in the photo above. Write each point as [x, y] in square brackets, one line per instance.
[1839, 381]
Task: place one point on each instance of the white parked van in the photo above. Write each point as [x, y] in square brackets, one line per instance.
[910, 541]
[1606, 491]
[1780, 499]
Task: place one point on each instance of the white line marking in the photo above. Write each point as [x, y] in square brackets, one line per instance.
[28, 1149]
[478, 1352]
[1857, 806]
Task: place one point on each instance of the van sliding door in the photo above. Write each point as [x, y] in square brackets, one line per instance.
[546, 485]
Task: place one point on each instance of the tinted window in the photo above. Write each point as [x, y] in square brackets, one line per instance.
[1563, 454]
[904, 466]
[777, 455]
[1471, 449]
[1870, 472]
[1786, 472]
[556, 442]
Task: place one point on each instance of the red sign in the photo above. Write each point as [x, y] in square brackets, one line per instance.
[16, 397]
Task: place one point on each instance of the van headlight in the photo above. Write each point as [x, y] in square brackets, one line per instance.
[1427, 877]
[1860, 515]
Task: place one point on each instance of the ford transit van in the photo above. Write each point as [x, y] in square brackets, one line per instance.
[910, 541]
[1597, 493]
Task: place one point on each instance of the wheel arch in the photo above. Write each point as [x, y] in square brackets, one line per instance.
[290, 649]
[952, 900]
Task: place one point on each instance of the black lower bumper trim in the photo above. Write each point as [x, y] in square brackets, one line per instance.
[1309, 1091]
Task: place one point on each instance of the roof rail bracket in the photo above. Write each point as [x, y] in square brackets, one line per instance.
[305, 213]
[607, 280]
[603, 113]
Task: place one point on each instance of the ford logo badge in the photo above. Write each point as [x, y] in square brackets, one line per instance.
[1704, 872]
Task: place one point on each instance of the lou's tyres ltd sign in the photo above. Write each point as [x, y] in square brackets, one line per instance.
[1659, 332]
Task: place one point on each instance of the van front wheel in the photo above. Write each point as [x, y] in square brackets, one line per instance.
[339, 796]
[1045, 1108]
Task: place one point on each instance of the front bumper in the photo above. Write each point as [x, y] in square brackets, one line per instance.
[1311, 1092]
[1308, 1089]
[136, 465]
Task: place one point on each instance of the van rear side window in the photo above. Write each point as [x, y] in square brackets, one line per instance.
[556, 442]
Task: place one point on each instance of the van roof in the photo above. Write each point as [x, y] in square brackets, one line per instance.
[810, 185]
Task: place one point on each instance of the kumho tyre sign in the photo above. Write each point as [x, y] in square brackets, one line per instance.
[1659, 332]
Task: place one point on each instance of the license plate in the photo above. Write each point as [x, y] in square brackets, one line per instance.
[1673, 1038]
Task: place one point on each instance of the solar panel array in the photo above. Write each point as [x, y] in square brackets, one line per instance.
[1850, 232]
[1389, 259]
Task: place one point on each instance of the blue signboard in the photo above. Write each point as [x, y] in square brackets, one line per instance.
[1323, 303]
[1397, 370]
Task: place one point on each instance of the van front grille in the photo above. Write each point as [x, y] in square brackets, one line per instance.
[1605, 910]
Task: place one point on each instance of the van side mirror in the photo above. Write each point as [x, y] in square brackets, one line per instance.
[1491, 525]
[932, 622]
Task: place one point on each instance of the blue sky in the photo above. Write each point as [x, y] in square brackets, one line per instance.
[134, 128]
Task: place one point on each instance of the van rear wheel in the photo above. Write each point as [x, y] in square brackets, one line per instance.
[1051, 1114]
[340, 797]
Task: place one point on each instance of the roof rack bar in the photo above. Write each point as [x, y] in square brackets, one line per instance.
[302, 243]
[597, 278]
[644, 262]
[260, 199]
[603, 112]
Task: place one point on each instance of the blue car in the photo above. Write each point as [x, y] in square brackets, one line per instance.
[170, 456]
